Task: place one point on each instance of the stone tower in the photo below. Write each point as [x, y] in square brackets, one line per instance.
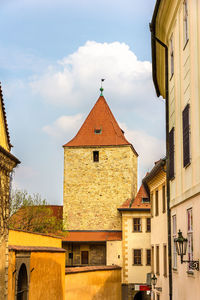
[100, 172]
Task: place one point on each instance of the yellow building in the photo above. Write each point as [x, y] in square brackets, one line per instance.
[100, 172]
[175, 31]
[7, 163]
[136, 246]
[36, 266]
[156, 182]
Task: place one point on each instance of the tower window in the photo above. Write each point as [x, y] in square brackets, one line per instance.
[95, 156]
[97, 131]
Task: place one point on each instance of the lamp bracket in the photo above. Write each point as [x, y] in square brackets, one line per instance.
[193, 264]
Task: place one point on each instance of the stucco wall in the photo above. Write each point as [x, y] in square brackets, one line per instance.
[135, 240]
[114, 253]
[188, 283]
[159, 235]
[22, 238]
[94, 190]
[47, 277]
[95, 285]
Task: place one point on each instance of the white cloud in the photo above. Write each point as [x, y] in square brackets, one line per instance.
[76, 77]
[65, 127]
[149, 148]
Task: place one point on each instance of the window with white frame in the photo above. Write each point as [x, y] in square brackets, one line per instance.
[174, 245]
[172, 55]
[185, 21]
[190, 236]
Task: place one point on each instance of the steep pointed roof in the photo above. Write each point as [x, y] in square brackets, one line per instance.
[99, 129]
[4, 120]
[138, 202]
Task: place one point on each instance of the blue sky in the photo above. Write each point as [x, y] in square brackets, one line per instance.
[52, 57]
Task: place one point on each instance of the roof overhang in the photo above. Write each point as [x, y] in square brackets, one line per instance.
[92, 236]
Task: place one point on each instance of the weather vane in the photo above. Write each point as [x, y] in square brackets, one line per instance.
[101, 89]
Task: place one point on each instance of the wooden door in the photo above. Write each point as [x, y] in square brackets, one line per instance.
[84, 257]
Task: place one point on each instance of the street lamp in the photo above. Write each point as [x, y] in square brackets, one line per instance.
[181, 248]
[154, 280]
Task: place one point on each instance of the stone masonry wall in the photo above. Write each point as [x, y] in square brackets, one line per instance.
[96, 253]
[94, 190]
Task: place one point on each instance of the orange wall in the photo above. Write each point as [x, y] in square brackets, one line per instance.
[47, 280]
[98, 285]
[48, 277]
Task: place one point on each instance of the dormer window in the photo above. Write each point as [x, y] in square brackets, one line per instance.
[145, 200]
[95, 156]
[97, 131]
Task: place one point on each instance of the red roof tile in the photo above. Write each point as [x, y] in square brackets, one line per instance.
[137, 203]
[99, 118]
[92, 236]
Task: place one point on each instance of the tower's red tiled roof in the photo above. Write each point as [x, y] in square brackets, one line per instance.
[137, 203]
[100, 118]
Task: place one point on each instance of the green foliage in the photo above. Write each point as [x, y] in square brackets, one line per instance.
[32, 213]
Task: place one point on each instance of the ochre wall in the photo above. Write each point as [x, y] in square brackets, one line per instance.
[98, 285]
[47, 279]
[3, 135]
[22, 238]
[94, 190]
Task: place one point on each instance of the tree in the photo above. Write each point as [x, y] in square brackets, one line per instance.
[32, 213]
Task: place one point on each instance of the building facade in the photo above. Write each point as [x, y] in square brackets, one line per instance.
[156, 182]
[7, 163]
[136, 246]
[176, 72]
[100, 172]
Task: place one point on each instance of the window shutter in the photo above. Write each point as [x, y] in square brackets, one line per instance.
[186, 136]
[171, 153]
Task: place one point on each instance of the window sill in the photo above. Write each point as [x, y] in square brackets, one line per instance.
[185, 44]
[137, 231]
[171, 76]
[171, 179]
[186, 166]
[139, 265]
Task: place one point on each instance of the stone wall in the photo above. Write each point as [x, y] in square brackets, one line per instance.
[96, 253]
[94, 190]
[7, 163]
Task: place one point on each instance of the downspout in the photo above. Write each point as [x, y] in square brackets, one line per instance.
[155, 39]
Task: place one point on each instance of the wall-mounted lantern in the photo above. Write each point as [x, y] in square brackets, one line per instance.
[154, 280]
[181, 248]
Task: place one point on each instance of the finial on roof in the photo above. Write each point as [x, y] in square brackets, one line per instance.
[101, 88]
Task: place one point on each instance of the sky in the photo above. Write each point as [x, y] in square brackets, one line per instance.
[53, 55]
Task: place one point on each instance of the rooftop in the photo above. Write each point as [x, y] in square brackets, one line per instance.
[99, 129]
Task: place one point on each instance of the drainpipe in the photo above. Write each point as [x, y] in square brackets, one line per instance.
[155, 39]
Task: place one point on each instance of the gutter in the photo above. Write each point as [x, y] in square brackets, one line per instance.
[155, 40]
